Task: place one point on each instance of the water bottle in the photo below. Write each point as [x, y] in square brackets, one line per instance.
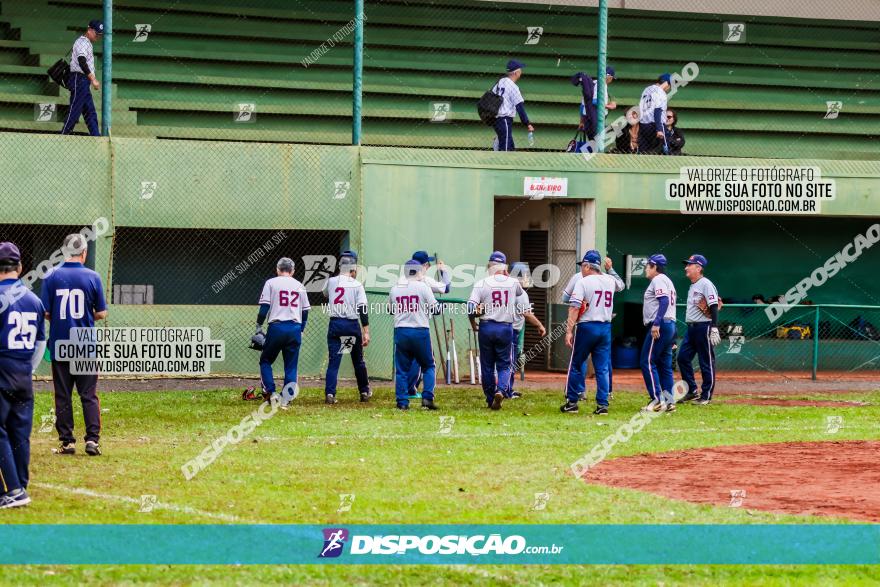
[531, 139]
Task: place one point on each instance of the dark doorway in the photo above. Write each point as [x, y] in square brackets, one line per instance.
[534, 250]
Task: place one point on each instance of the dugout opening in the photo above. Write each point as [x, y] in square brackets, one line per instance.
[37, 242]
[215, 266]
[546, 234]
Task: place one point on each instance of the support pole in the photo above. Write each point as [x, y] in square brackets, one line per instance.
[600, 79]
[816, 343]
[357, 87]
[107, 69]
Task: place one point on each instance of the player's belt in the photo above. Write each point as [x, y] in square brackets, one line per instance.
[698, 322]
[665, 320]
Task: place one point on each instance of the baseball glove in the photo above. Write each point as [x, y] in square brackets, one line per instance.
[704, 307]
[258, 340]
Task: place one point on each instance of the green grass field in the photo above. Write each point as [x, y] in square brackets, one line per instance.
[401, 469]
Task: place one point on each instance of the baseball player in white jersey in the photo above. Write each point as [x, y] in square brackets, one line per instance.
[82, 79]
[652, 116]
[591, 305]
[566, 296]
[414, 377]
[658, 313]
[524, 313]
[285, 304]
[702, 333]
[412, 302]
[512, 103]
[493, 300]
[349, 328]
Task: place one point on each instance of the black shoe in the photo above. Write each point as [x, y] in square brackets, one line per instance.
[429, 404]
[14, 499]
[702, 402]
[366, 395]
[92, 448]
[403, 407]
[688, 397]
[267, 397]
[515, 394]
[600, 411]
[496, 401]
[569, 408]
[330, 399]
[66, 448]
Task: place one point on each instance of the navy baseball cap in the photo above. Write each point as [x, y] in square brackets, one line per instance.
[350, 254]
[593, 257]
[9, 252]
[412, 267]
[422, 257]
[610, 71]
[666, 77]
[696, 260]
[657, 259]
[97, 26]
[498, 257]
[513, 65]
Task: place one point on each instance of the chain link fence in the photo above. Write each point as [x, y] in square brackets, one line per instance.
[821, 338]
[229, 120]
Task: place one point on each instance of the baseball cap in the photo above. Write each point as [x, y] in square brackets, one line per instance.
[9, 252]
[513, 65]
[350, 254]
[97, 26]
[666, 77]
[593, 257]
[520, 270]
[657, 259]
[498, 257]
[422, 257]
[610, 71]
[696, 260]
[412, 267]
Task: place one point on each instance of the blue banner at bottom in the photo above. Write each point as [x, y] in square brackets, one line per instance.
[440, 544]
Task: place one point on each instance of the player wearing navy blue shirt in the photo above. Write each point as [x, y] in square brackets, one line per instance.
[22, 342]
[74, 298]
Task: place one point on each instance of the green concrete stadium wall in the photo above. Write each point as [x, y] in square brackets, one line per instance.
[400, 200]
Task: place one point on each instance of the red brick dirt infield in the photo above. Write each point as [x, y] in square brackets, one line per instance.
[794, 403]
[819, 478]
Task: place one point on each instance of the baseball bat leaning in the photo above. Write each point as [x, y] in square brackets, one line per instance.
[454, 350]
[439, 346]
[471, 358]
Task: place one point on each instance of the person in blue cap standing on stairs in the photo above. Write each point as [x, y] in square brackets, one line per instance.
[512, 104]
[82, 79]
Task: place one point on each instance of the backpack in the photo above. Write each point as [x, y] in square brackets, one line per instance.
[488, 107]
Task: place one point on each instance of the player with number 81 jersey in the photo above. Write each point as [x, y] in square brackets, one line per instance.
[493, 299]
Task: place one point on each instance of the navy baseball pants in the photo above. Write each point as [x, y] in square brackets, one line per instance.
[412, 344]
[81, 104]
[495, 340]
[16, 420]
[696, 342]
[285, 338]
[590, 338]
[504, 130]
[656, 362]
[339, 328]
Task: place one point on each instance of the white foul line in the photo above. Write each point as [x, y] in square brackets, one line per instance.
[157, 505]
